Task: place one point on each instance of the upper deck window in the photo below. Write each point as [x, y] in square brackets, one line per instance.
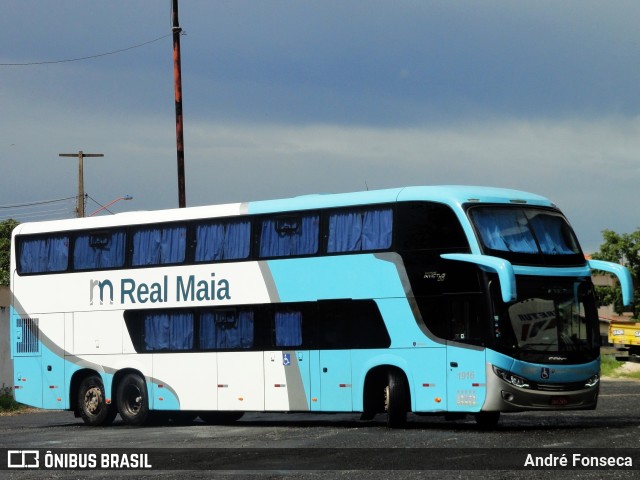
[290, 235]
[360, 230]
[505, 230]
[220, 241]
[99, 250]
[159, 245]
[43, 254]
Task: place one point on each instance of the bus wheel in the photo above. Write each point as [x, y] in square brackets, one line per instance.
[92, 404]
[487, 420]
[396, 400]
[133, 400]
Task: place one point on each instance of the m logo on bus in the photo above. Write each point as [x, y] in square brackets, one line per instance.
[102, 285]
[167, 289]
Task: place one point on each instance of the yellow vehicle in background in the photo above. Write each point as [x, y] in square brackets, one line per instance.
[626, 336]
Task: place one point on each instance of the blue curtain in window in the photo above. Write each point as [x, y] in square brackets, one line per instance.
[550, 232]
[42, 255]
[345, 232]
[157, 246]
[505, 230]
[168, 331]
[237, 240]
[377, 226]
[111, 254]
[297, 236]
[360, 230]
[226, 329]
[288, 329]
[222, 241]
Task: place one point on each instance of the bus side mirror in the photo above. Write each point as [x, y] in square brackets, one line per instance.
[623, 275]
[502, 267]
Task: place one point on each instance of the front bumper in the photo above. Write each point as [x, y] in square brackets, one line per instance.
[505, 397]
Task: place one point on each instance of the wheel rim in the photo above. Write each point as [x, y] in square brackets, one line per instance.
[93, 400]
[132, 399]
[387, 392]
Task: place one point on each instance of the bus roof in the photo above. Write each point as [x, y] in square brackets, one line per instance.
[453, 195]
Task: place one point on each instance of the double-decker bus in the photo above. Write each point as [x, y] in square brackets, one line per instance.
[434, 300]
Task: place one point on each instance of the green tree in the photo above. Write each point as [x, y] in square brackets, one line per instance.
[6, 228]
[624, 249]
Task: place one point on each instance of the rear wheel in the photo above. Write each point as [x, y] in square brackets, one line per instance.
[92, 404]
[396, 400]
[133, 400]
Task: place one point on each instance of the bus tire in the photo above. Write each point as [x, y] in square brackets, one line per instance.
[133, 399]
[92, 404]
[487, 420]
[396, 400]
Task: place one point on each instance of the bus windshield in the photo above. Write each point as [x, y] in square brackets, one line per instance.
[526, 235]
[551, 316]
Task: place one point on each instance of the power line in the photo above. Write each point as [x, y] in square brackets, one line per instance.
[49, 62]
[43, 202]
[98, 203]
[43, 209]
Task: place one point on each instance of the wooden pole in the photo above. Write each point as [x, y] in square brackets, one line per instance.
[81, 155]
[177, 76]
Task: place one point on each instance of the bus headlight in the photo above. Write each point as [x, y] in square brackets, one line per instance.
[510, 378]
[593, 381]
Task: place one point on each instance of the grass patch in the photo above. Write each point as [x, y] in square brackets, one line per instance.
[7, 403]
[609, 365]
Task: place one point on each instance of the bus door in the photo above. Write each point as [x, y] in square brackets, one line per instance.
[466, 374]
[240, 369]
[286, 373]
[240, 381]
[335, 381]
[287, 367]
[335, 340]
[53, 382]
[27, 359]
[39, 360]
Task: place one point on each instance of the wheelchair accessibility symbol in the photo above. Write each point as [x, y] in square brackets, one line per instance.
[286, 359]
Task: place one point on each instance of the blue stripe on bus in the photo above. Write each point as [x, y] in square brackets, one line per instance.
[318, 278]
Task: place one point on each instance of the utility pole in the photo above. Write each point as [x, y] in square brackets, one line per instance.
[177, 76]
[81, 155]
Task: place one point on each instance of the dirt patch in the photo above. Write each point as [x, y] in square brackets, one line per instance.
[627, 368]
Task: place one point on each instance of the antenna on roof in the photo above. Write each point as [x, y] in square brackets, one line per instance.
[366, 186]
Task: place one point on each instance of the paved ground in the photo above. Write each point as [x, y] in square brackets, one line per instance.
[303, 445]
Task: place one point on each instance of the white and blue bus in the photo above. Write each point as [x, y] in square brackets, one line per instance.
[434, 300]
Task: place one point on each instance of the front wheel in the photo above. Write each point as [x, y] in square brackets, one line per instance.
[133, 400]
[396, 400]
[92, 405]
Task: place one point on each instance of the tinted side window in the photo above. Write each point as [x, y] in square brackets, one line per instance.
[360, 230]
[170, 331]
[219, 241]
[290, 235]
[344, 324]
[226, 329]
[331, 324]
[43, 254]
[159, 245]
[427, 226]
[98, 250]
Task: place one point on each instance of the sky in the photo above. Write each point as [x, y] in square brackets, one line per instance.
[283, 98]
